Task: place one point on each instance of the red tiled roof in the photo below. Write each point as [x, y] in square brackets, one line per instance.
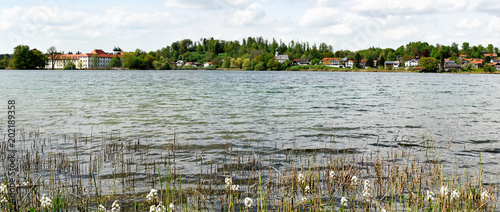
[490, 55]
[98, 52]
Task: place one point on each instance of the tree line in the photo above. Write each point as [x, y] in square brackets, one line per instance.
[257, 53]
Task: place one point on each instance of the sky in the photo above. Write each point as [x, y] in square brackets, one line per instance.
[151, 25]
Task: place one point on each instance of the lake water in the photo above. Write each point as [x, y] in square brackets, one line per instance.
[265, 111]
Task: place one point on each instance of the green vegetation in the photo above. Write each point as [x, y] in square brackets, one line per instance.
[256, 53]
[307, 180]
[24, 58]
[69, 66]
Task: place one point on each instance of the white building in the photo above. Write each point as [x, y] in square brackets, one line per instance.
[412, 62]
[85, 59]
[280, 57]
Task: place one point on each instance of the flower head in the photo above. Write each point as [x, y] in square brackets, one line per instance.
[153, 194]
[235, 187]
[485, 195]
[160, 208]
[171, 206]
[115, 207]
[332, 174]
[152, 208]
[303, 199]
[354, 180]
[45, 201]
[343, 202]
[367, 190]
[101, 208]
[430, 196]
[3, 188]
[248, 202]
[229, 182]
[455, 195]
[3, 200]
[307, 190]
[300, 178]
[444, 191]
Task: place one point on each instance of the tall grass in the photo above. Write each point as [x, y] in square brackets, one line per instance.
[107, 171]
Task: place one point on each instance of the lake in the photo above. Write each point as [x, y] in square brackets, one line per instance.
[260, 112]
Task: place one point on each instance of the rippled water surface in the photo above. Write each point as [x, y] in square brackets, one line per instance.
[265, 111]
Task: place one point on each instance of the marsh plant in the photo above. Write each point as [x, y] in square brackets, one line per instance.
[112, 174]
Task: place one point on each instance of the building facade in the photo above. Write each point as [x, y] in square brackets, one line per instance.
[84, 61]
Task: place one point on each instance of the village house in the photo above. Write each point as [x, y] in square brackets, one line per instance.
[180, 63]
[299, 62]
[280, 57]
[392, 64]
[61, 60]
[332, 62]
[349, 63]
[207, 64]
[451, 65]
[412, 63]
[477, 63]
[495, 64]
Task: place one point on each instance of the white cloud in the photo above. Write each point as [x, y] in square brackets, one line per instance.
[399, 33]
[320, 17]
[337, 30]
[207, 4]
[248, 17]
[469, 24]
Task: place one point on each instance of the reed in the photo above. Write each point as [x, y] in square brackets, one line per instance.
[108, 172]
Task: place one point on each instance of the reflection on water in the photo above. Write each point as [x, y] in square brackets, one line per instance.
[266, 113]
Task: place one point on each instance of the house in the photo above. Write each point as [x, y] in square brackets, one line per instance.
[207, 64]
[490, 55]
[465, 61]
[332, 62]
[180, 63]
[452, 66]
[496, 65]
[392, 64]
[189, 64]
[412, 63]
[103, 59]
[349, 63]
[280, 57]
[477, 63]
[299, 62]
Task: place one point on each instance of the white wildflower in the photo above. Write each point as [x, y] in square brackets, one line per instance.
[444, 191]
[343, 202]
[25, 183]
[160, 208]
[229, 182]
[248, 202]
[383, 210]
[367, 190]
[455, 195]
[303, 199]
[153, 194]
[46, 202]
[235, 187]
[171, 206]
[3, 188]
[485, 195]
[354, 180]
[307, 190]
[115, 207]
[152, 208]
[332, 174]
[430, 196]
[3, 200]
[300, 178]
[101, 208]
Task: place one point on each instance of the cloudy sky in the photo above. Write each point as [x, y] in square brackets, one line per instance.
[151, 25]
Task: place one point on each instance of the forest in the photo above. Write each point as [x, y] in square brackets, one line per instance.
[257, 53]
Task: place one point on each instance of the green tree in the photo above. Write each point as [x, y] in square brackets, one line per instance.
[260, 66]
[246, 64]
[94, 61]
[381, 61]
[357, 60]
[161, 64]
[24, 58]
[488, 68]
[69, 66]
[429, 63]
[115, 62]
[315, 61]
